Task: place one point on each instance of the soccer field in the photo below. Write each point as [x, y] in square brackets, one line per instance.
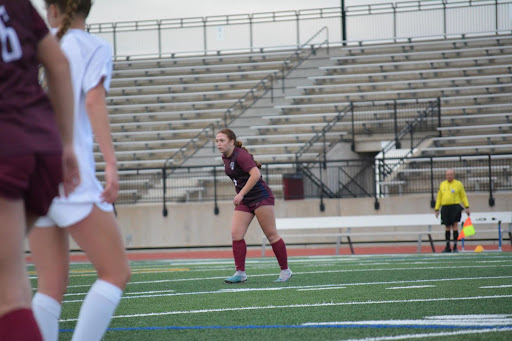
[465, 296]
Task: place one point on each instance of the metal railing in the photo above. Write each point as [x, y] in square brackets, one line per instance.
[342, 178]
[287, 29]
[259, 90]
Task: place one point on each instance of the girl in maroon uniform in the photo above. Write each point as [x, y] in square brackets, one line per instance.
[254, 198]
[33, 158]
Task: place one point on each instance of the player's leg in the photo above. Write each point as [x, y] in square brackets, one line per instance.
[49, 247]
[98, 235]
[455, 229]
[447, 238]
[16, 319]
[239, 225]
[266, 217]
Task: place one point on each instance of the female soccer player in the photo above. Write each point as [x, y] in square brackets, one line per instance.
[87, 214]
[33, 158]
[254, 198]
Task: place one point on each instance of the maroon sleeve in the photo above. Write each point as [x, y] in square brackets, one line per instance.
[245, 161]
[40, 28]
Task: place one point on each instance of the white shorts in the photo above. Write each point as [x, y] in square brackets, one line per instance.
[67, 214]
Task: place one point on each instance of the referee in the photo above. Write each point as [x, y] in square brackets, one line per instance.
[451, 194]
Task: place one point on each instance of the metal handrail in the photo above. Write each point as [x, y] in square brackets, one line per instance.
[341, 114]
[395, 11]
[268, 79]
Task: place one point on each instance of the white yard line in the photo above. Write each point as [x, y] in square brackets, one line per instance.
[455, 321]
[302, 306]
[497, 286]
[315, 289]
[429, 335]
[319, 272]
[149, 292]
[289, 287]
[412, 287]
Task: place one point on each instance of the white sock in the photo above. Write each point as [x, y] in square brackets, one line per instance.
[240, 273]
[47, 313]
[96, 311]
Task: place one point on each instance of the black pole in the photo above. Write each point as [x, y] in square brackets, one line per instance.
[322, 206]
[353, 145]
[343, 23]
[376, 204]
[491, 199]
[216, 207]
[432, 201]
[439, 116]
[325, 150]
[164, 183]
[398, 145]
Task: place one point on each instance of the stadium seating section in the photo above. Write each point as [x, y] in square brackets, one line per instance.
[160, 108]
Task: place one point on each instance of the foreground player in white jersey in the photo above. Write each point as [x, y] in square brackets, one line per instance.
[87, 214]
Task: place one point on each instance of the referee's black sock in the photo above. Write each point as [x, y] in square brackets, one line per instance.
[455, 236]
[447, 236]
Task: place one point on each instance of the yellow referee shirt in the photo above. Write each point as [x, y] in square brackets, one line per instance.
[451, 193]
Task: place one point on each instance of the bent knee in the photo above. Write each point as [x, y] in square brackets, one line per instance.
[119, 277]
[237, 236]
[273, 237]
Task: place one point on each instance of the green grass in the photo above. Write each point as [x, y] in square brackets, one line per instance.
[188, 299]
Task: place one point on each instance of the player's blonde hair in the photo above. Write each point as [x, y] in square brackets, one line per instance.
[232, 136]
[70, 8]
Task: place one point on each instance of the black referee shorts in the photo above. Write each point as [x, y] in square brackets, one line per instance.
[450, 214]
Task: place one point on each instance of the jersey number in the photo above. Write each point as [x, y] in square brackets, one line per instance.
[234, 181]
[8, 37]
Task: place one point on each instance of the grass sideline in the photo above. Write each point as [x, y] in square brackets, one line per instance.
[465, 296]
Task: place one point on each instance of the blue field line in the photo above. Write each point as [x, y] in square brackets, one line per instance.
[373, 326]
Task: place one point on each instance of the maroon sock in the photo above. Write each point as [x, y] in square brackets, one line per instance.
[19, 325]
[239, 253]
[280, 251]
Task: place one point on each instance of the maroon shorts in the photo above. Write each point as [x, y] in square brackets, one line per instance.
[250, 208]
[34, 178]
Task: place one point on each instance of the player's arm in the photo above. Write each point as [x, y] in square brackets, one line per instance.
[254, 177]
[95, 103]
[464, 198]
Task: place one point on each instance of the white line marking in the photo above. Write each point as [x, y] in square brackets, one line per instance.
[425, 335]
[413, 287]
[496, 286]
[472, 316]
[315, 289]
[149, 292]
[295, 273]
[283, 288]
[331, 304]
[431, 259]
[458, 322]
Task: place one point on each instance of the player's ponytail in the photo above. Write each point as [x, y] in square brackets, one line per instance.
[231, 136]
[70, 8]
[69, 14]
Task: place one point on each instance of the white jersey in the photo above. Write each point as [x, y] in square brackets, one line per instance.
[90, 60]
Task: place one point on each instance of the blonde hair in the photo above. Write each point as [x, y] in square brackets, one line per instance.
[232, 136]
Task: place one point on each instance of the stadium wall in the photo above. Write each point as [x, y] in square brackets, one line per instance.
[195, 225]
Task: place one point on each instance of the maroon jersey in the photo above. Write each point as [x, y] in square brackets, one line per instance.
[237, 167]
[27, 121]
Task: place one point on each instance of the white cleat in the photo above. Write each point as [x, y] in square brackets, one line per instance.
[284, 276]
